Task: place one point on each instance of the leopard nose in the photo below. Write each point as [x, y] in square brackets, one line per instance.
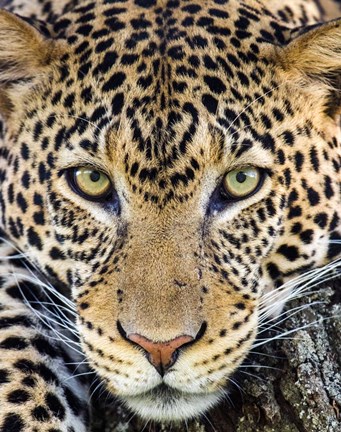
[162, 355]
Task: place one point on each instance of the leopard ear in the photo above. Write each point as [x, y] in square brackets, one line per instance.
[25, 54]
[313, 58]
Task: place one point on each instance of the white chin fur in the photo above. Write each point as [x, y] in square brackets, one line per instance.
[168, 405]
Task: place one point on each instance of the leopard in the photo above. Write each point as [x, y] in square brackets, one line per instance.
[167, 168]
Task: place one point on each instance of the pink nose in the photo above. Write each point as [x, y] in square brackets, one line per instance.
[162, 355]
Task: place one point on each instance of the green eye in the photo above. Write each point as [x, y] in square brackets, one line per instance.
[242, 182]
[89, 183]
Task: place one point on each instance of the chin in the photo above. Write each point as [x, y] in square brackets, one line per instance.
[164, 404]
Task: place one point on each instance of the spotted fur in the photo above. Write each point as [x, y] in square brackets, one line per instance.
[165, 97]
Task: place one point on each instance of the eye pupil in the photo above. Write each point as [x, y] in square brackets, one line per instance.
[241, 177]
[89, 183]
[95, 176]
[241, 183]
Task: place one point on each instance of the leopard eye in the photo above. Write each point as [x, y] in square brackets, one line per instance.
[242, 182]
[90, 183]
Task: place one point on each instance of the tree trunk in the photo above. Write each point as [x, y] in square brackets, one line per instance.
[293, 386]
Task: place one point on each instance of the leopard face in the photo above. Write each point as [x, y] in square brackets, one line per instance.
[164, 102]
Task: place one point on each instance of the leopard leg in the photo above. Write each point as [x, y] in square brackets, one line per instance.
[39, 389]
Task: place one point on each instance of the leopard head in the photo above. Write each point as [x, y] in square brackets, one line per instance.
[169, 165]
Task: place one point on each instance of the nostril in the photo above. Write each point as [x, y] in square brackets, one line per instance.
[201, 332]
[162, 355]
[121, 331]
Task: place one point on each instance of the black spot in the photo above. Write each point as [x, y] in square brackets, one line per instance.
[210, 103]
[26, 366]
[73, 401]
[334, 222]
[289, 252]
[267, 141]
[46, 373]
[215, 84]
[55, 406]
[114, 24]
[192, 8]
[328, 188]
[29, 381]
[299, 159]
[114, 11]
[307, 236]
[278, 114]
[273, 270]
[314, 159]
[236, 325]
[40, 413]
[218, 13]
[12, 423]
[129, 59]
[18, 396]
[145, 3]
[205, 21]
[22, 203]
[295, 211]
[19, 320]
[25, 152]
[104, 45]
[4, 376]
[140, 23]
[334, 247]
[56, 254]
[16, 343]
[321, 219]
[38, 218]
[296, 228]
[84, 30]
[145, 81]
[44, 347]
[244, 80]
[107, 63]
[313, 196]
[281, 157]
[117, 103]
[242, 23]
[34, 239]
[115, 81]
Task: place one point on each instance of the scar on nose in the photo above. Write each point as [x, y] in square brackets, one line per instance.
[179, 283]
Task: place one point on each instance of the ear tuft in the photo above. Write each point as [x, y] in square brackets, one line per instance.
[24, 51]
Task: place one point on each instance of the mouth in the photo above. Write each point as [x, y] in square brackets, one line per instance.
[166, 404]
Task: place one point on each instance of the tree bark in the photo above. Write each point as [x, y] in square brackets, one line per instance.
[294, 384]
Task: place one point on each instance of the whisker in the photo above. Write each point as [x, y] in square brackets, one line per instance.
[287, 314]
[59, 336]
[266, 355]
[288, 332]
[252, 375]
[232, 381]
[79, 375]
[253, 102]
[258, 367]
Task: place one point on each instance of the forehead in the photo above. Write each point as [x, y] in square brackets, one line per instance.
[161, 51]
[162, 84]
[159, 62]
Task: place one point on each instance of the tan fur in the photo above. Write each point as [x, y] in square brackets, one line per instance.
[169, 253]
